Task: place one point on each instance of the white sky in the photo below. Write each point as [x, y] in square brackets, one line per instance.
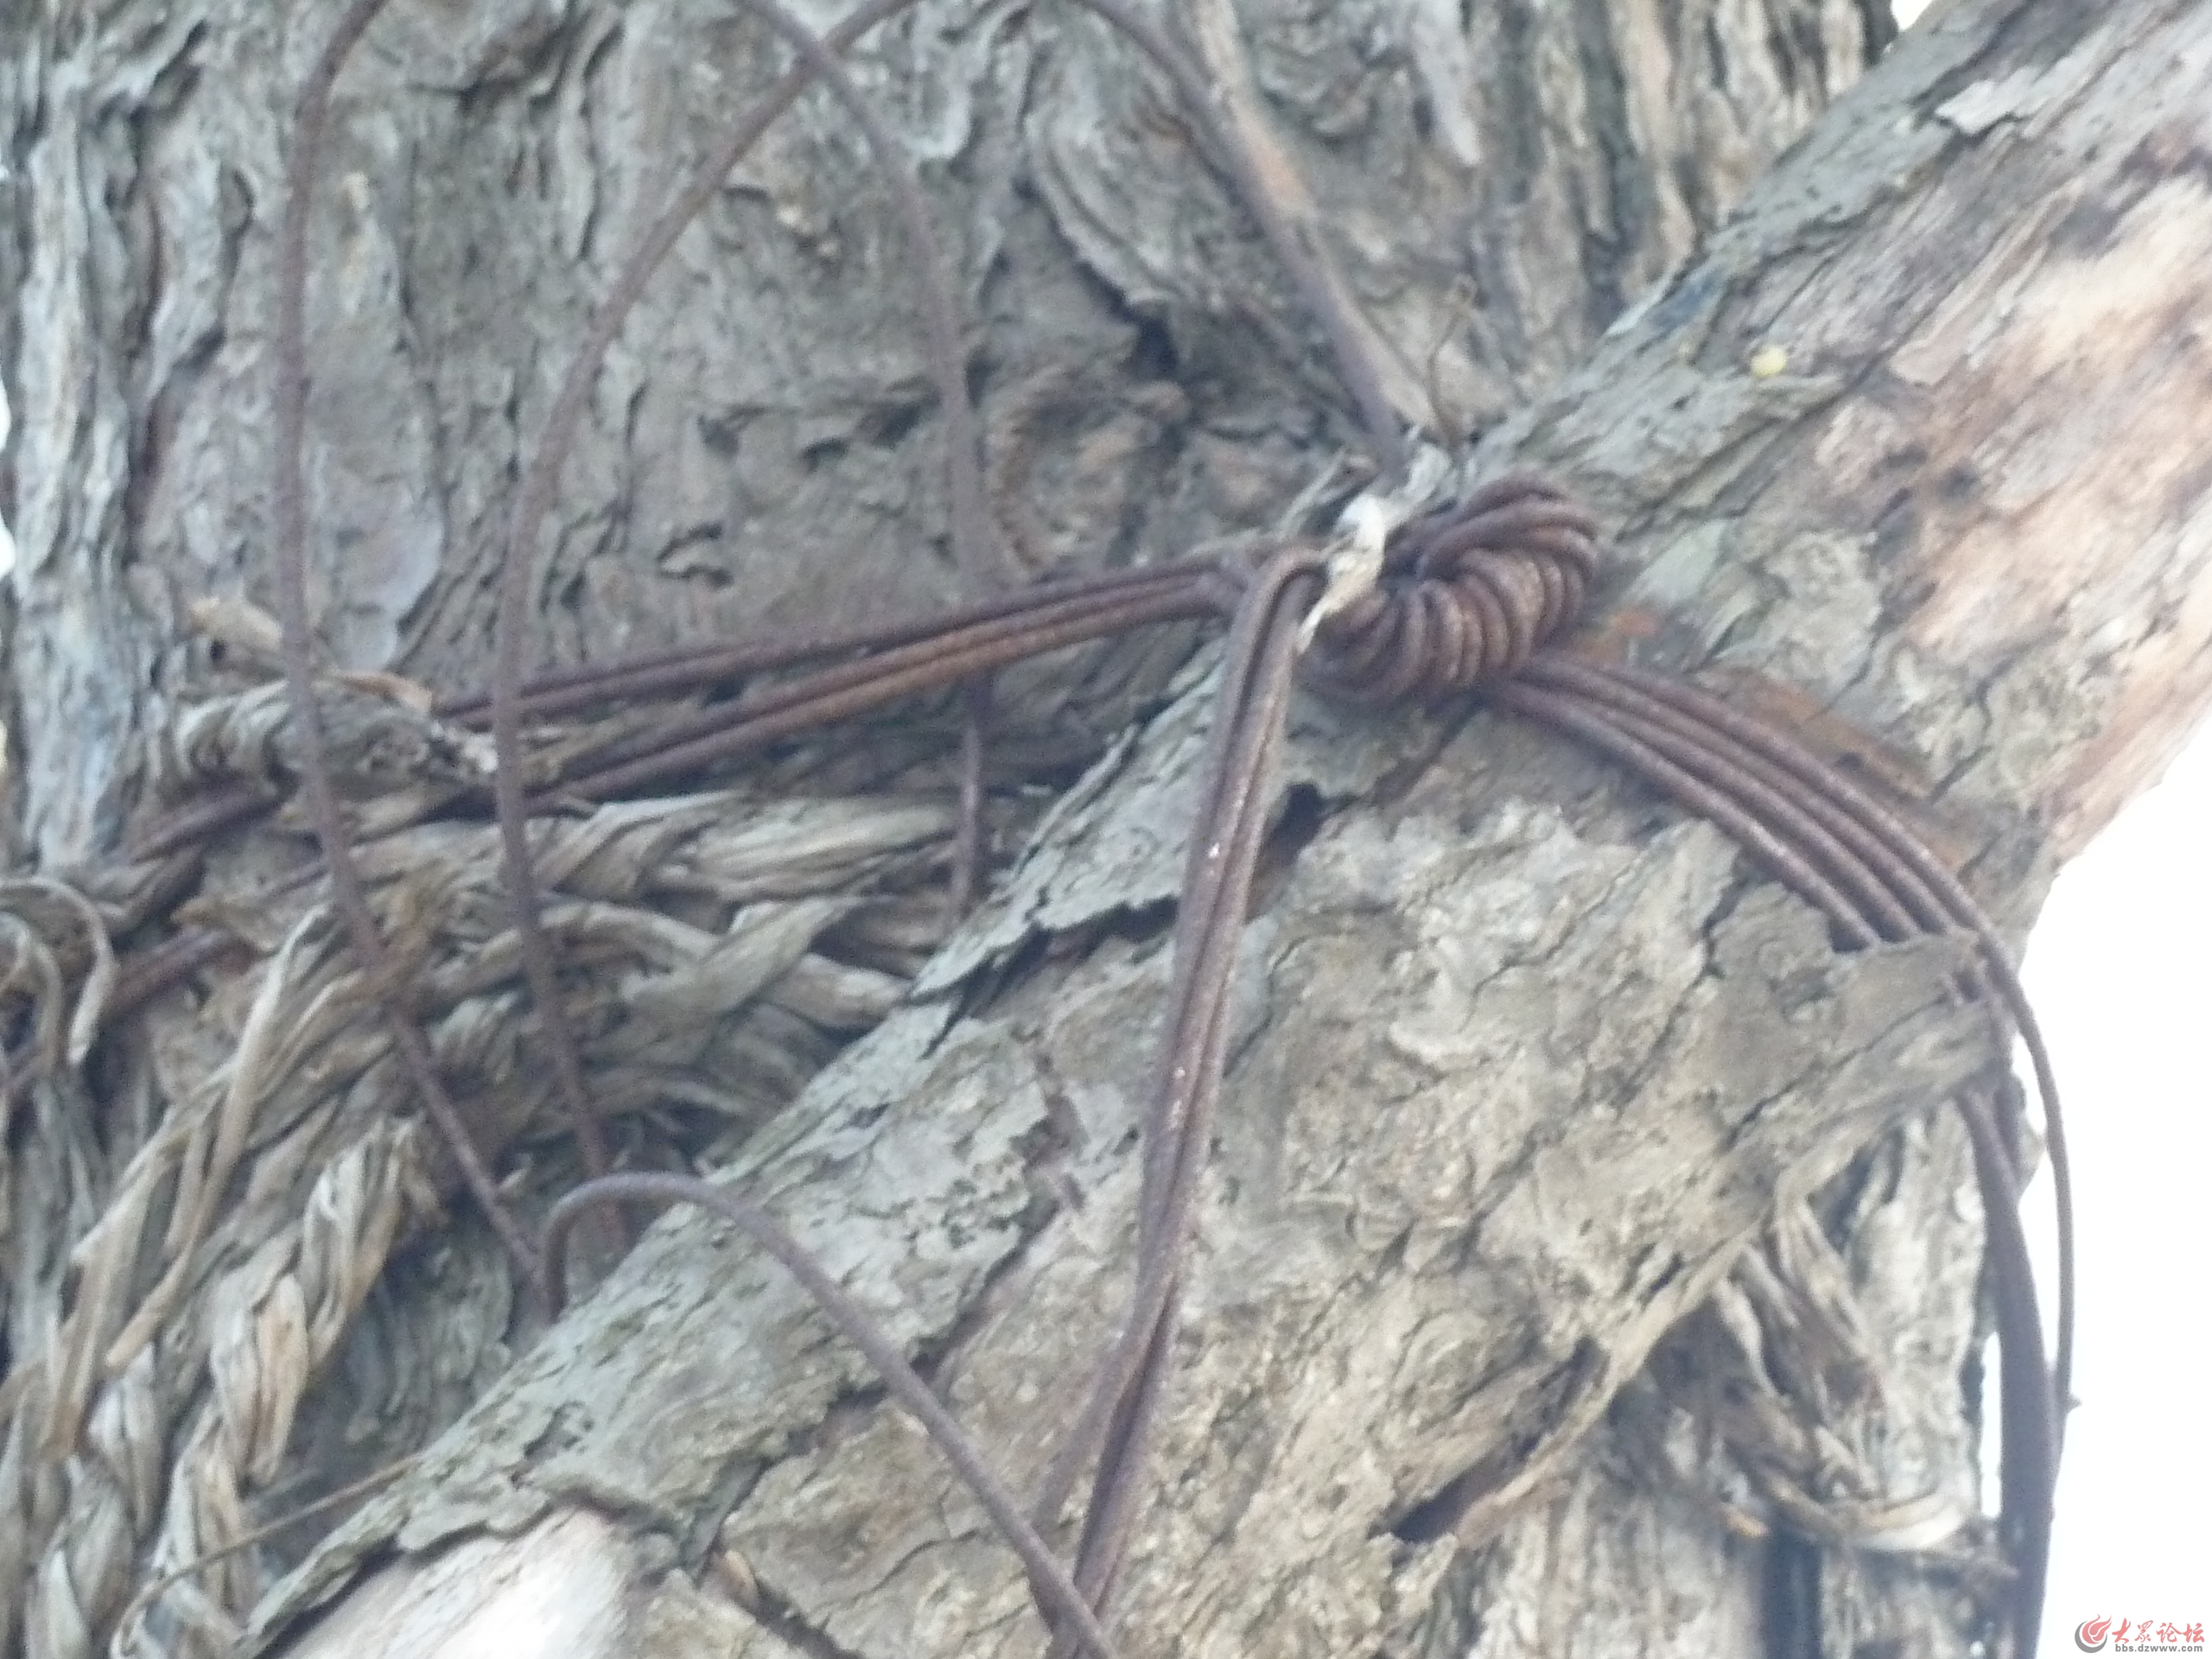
[2116, 968]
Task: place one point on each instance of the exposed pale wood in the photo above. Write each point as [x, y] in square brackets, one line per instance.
[1982, 301]
[564, 1581]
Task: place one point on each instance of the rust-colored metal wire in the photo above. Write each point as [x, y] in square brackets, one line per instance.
[686, 670]
[290, 576]
[535, 499]
[1840, 849]
[1443, 618]
[1224, 849]
[1939, 901]
[724, 733]
[1468, 598]
[1056, 1592]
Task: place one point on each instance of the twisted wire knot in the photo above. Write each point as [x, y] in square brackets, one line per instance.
[1466, 594]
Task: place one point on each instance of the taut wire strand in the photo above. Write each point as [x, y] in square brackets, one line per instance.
[290, 577]
[534, 501]
[1353, 365]
[1790, 810]
[1962, 910]
[1056, 1592]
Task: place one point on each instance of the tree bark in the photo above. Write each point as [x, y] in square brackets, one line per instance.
[1530, 1073]
[766, 422]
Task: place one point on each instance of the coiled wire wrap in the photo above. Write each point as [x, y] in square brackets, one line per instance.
[1466, 593]
[1468, 597]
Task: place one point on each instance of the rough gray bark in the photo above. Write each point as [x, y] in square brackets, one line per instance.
[761, 451]
[1528, 1071]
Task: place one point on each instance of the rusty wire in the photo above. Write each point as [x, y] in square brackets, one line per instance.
[1233, 811]
[1196, 104]
[1840, 851]
[535, 500]
[1939, 901]
[1453, 620]
[722, 732]
[290, 575]
[1055, 1592]
[682, 670]
[1466, 594]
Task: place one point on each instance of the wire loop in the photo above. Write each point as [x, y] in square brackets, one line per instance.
[1466, 594]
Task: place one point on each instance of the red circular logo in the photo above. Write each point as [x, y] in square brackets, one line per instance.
[2089, 1635]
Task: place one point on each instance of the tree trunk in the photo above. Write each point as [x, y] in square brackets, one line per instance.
[1567, 1181]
